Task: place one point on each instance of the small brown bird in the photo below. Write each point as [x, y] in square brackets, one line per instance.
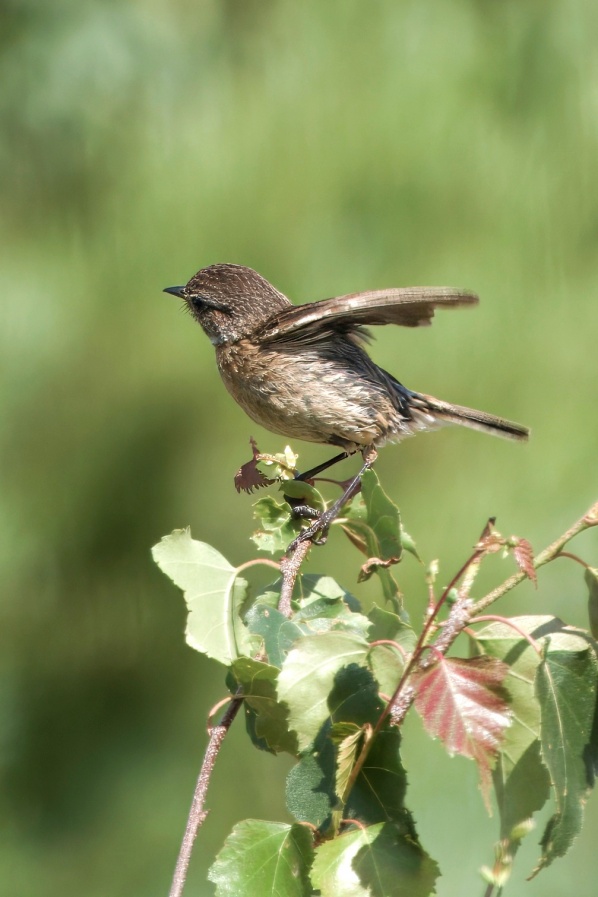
[302, 371]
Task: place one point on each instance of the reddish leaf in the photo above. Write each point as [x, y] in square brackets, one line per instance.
[249, 476]
[524, 555]
[490, 540]
[462, 703]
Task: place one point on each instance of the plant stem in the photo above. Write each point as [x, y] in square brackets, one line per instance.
[412, 662]
[289, 568]
[460, 616]
[197, 813]
[257, 562]
[573, 557]
[590, 518]
[506, 622]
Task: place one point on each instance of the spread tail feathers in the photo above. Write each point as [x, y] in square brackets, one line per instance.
[468, 417]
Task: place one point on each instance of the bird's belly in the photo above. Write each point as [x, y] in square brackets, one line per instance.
[302, 397]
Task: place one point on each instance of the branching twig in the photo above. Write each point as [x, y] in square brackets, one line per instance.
[289, 568]
[590, 518]
[197, 813]
[462, 612]
[394, 707]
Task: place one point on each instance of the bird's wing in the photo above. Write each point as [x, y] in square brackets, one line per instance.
[408, 306]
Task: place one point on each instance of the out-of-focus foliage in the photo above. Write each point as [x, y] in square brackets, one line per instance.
[334, 147]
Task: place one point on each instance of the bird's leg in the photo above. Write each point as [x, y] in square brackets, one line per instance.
[309, 474]
[322, 523]
[303, 510]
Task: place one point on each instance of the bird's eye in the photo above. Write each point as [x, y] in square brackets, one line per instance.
[202, 302]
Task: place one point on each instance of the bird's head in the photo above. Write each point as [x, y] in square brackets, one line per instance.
[230, 301]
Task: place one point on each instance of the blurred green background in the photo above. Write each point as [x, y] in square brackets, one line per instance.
[333, 146]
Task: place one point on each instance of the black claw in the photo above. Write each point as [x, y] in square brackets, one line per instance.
[320, 526]
[305, 511]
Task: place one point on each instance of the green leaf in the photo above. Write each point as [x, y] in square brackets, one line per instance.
[408, 544]
[250, 727]
[277, 631]
[503, 642]
[566, 683]
[521, 780]
[260, 858]
[325, 605]
[521, 788]
[379, 791]
[378, 861]
[277, 527]
[388, 625]
[312, 784]
[372, 522]
[354, 697]
[322, 604]
[382, 516]
[270, 718]
[553, 698]
[213, 594]
[387, 665]
[314, 588]
[386, 662]
[308, 675]
[347, 738]
[301, 491]
[591, 577]
[373, 507]
[310, 787]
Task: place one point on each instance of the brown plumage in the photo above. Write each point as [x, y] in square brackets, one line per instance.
[303, 372]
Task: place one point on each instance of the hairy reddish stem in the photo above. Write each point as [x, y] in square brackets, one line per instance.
[256, 562]
[573, 557]
[197, 813]
[590, 518]
[289, 567]
[391, 643]
[414, 659]
[460, 616]
[496, 618]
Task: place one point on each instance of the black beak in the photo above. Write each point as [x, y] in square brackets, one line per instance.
[176, 291]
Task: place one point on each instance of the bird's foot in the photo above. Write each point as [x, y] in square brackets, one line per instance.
[303, 511]
[319, 528]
